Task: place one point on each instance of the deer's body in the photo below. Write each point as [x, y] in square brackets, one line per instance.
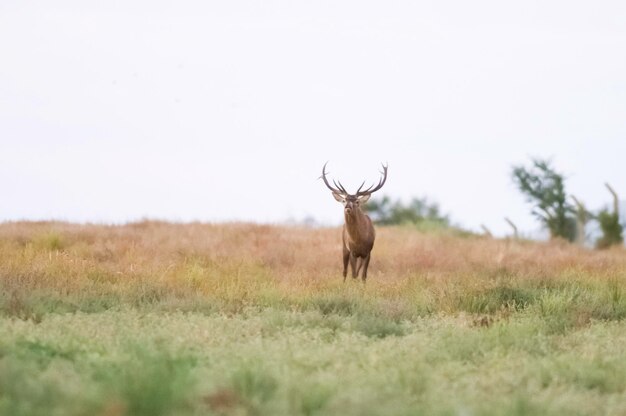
[358, 241]
[358, 230]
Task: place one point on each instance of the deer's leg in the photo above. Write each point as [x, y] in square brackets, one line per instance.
[365, 263]
[359, 263]
[346, 259]
[353, 265]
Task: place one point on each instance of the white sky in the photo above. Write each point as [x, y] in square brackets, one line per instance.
[227, 110]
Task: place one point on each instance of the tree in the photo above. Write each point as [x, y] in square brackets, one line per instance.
[610, 224]
[545, 188]
[582, 218]
[419, 210]
[513, 226]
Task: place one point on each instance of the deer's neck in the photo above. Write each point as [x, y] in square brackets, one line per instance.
[355, 223]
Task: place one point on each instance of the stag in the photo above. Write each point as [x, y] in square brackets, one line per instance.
[358, 231]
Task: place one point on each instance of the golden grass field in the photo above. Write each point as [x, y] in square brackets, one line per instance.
[154, 318]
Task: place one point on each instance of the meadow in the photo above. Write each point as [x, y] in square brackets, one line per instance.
[154, 318]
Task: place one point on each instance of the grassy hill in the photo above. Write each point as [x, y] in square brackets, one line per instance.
[155, 318]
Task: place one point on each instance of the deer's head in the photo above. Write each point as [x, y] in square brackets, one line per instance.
[352, 202]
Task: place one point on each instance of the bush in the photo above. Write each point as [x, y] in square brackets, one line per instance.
[419, 210]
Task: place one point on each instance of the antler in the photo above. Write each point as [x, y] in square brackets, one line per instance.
[373, 189]
[339, 189]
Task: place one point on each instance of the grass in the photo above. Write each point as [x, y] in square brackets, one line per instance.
[235, 319]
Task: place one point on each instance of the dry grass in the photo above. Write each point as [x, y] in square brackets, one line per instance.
[231, 266]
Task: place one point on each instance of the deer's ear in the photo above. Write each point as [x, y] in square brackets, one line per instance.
[364, 198]
[339, 197]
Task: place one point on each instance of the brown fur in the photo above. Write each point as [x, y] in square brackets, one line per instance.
[358, 241]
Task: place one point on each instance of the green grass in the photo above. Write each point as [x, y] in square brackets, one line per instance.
[266, 361]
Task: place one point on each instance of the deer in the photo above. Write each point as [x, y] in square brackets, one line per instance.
[358, 233]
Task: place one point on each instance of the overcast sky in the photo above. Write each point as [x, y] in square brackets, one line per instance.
[227, 110]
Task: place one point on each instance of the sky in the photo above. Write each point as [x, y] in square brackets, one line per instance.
[226, 110]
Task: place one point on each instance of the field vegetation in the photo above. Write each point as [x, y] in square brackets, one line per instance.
[153, 318]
